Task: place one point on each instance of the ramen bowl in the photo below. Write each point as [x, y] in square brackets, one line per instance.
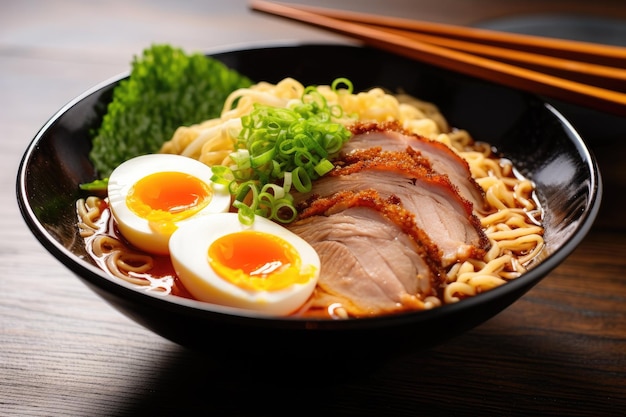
[523, 127]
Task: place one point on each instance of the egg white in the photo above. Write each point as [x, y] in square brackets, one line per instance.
[135, 228]
[189, 246]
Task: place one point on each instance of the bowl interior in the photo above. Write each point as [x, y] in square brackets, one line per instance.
[523, 127]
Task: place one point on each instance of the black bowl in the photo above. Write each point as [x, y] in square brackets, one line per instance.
[527, 130]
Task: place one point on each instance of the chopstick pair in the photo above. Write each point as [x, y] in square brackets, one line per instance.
[556, 68]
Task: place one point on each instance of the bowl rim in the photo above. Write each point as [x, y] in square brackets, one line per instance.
[95, 276]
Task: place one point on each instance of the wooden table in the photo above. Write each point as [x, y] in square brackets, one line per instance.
[560, 350]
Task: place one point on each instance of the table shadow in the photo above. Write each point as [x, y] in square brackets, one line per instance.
[487, 371]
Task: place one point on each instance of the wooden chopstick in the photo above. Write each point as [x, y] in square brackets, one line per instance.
[506, 47]
[474, 65]
[563, 48]
[600, 75]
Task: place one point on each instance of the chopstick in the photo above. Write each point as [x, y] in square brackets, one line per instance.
[399, 42]
[562, 48]
[576, 61]
[584, 72]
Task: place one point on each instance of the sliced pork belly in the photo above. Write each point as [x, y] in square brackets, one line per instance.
[374, 259]
[438, 209]
[391, 137]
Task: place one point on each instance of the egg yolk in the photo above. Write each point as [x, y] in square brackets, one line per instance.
[257, 261]
[164, 198]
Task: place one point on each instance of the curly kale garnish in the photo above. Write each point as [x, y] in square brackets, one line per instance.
[167, 88]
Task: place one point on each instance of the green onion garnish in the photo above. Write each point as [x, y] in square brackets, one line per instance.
[279, 148]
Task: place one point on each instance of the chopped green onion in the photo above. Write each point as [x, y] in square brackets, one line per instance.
[324, 167]
[277, 190]
[346, 82]
[222, 175]
[245, 213]
[292, 146]
[96, 185]
[242, 158]
[301, 181]
[243, 189]
[284, 211]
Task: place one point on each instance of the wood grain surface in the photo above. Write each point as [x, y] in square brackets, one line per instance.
[560, 350]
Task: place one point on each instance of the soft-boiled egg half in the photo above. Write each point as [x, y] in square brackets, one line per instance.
[150, 196]
[262, 267]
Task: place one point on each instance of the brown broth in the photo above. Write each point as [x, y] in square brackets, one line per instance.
[162, 276]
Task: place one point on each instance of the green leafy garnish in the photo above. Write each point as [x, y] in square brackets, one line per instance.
[96, 185]
[167, 88]
[287, 146]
